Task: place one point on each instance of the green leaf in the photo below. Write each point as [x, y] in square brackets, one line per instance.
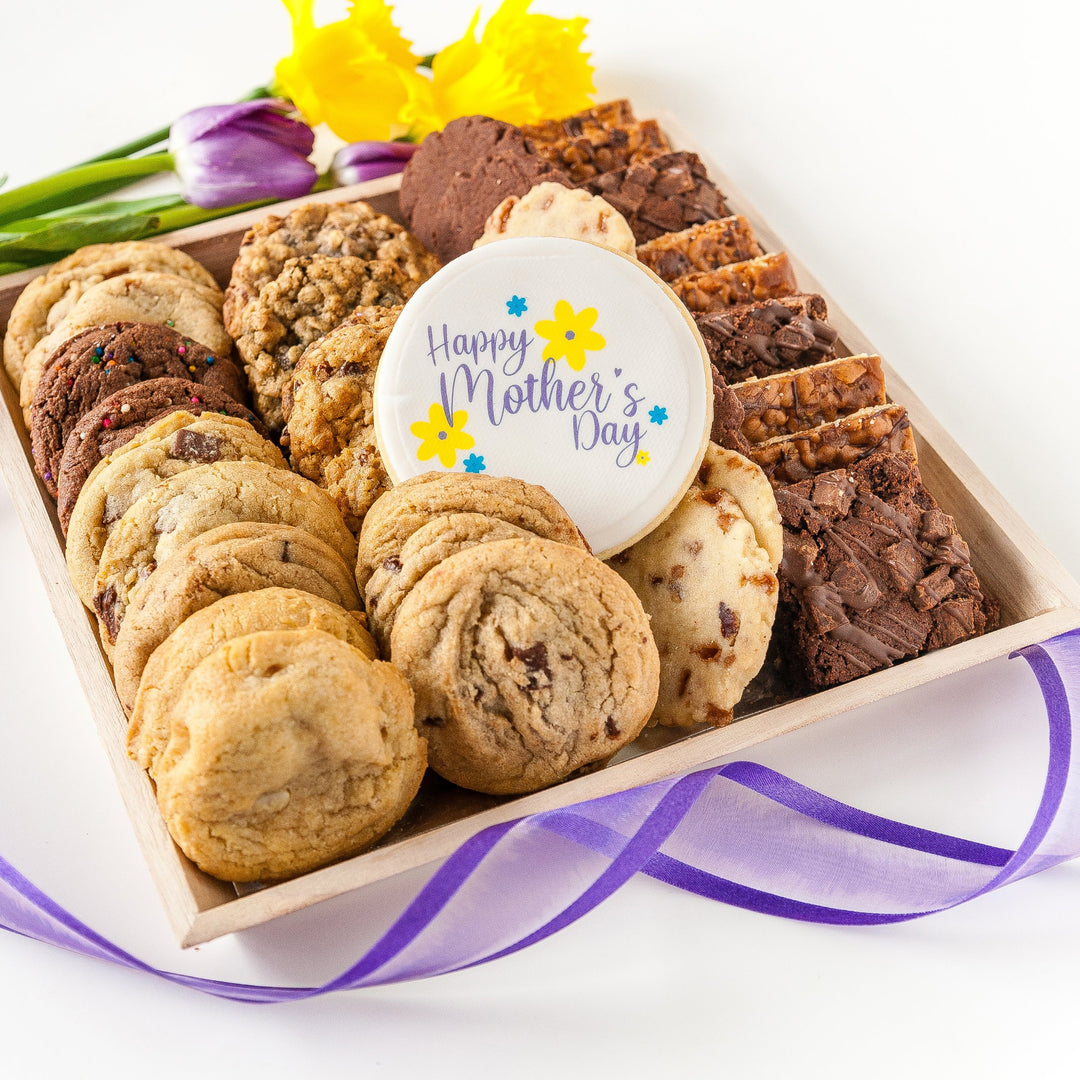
[64, 236]
[14, 267]
[96, 210]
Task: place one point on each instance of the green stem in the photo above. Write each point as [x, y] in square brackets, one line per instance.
[72, 186]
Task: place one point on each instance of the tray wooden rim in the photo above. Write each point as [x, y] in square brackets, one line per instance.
[201, 909]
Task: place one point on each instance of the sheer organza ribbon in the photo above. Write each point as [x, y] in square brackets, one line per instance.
[739, 833]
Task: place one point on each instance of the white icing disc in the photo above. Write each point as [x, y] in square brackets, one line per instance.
[558, 362]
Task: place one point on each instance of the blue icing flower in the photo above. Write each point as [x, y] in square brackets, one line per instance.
[516, 305]
[657, 414]
[474, 463]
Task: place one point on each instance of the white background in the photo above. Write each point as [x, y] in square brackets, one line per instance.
[921, 158]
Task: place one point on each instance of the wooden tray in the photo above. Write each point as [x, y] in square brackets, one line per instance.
[1038, 599]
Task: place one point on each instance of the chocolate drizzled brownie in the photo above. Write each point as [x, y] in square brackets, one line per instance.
[873, 572]
[665, 194]
[773, 335]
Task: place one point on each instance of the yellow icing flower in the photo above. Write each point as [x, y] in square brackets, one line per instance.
[570, 334]
[441, 437]
[355, 75]
[524, 68]
[643, 457]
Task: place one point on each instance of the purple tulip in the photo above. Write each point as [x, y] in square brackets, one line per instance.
[360, 161]
[229, 154]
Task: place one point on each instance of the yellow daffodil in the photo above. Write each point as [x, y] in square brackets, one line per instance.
[442, 437]
[355, 75]
[524, 68]
[570, 334]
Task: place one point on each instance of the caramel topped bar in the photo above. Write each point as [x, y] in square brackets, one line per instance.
[701, 247]
[873, 572]
[664, 194]
[764, 278]
[773, 335]
[604, 149]
[789, 459]
[589, 123]
[792, 401]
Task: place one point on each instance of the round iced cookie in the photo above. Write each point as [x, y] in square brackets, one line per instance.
[397, 514]
[144, 296]
[330, 422]
[710, 590]
[225, 561]
[529, 660]
[558, 362]
[46, 301]
[177, 510]
[118, 482]
[288, 749]
[551, 209]
[97, 362]
[122, 417]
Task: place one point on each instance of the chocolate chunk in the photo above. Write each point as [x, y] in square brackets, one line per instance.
[204, 447]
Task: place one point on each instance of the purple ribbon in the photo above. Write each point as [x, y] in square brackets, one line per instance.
[739, 833]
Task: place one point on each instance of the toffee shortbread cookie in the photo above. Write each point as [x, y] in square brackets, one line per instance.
[701, 247]
[664, 194]
[335, 229]
[397, 514]
[46, 301]
[792, 401]
[529, 660]
[758, 339]
[242, 557]
[177, 510]
[203, 631]
[289, 749]
[97, 362]
[120, 480]
[460, 174]
[328, 411]
[710, 590]
[433, 542]
[309, 297]
[554, 210]
[874, 572]
[122, 416]
[764, 278]
[191, 309]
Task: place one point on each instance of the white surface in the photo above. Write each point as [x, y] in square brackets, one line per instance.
[922, 159]
[586, 435]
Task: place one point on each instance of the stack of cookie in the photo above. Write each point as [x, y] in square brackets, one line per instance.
[530, 659]
[297, 277]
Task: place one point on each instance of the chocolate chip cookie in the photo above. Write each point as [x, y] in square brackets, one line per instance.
[529, 660]
[309, 297]
[121, 479]
[192, 502]
[97, 362]
[119, 419]
[203, 631]
[242, 557]
[396, 515]
[289, 749]
[328, 410]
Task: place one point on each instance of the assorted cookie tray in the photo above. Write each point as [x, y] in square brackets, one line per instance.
[1037, 600]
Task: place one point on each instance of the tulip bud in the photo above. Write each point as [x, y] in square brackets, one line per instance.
[360, 161]
[230, 154]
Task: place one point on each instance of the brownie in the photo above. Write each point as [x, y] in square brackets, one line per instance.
[728, 416]
[97, 362]
[759, 339]
[665, 194]
[460, 174]
[121, 416]
[701, 247]
[873, 572]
